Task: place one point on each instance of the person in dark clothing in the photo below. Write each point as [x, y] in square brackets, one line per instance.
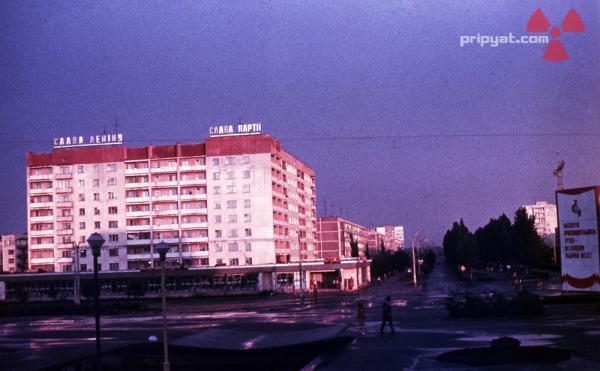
[386, 315]
[361, 317]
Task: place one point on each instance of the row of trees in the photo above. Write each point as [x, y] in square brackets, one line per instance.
[499, 241]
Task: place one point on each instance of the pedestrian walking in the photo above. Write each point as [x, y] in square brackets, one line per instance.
[386, 315]
[361, 317]
[315, 293]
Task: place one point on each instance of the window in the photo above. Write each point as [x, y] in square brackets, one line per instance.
[82, 239]
[230, 160]
[248, 232]
[83, 267]
[113, 266]
[216, 190]
[231, 188]
[112, 181]
[216, 175]
[80, 169]
[81, 197]
[248, 261]
[219, 262]
[96, 168]
[111, 167]
[113, 252]
[82, 225]
[232, 233]
[66, 254]
[81, 212]
[231, 175]
[81, 183]
[113, 237]
[217, 205]
[231, 247]
[112, 209]
[96, 211]
[215, 161]
[96, 182]
[246, 159]
[217, 219]
[232, 218]
[246, 203]
[65, 170]
[112, 196]
[246, 174]
[203, 261]
[246, 188]
[113, 224]
[234, 261]
[248, 246]
[218, 247]
[97, 225]
[96, 196]
[247, 218]
[218, 233]
[231, 204]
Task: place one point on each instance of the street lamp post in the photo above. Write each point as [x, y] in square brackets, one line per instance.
[300, 268]
[76, 279]
[162, 249]
[414, 260]
[96, 241]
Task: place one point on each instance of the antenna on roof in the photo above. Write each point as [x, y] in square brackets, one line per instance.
[116, 125]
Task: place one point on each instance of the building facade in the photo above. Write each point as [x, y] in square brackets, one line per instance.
[336, 235]
[13, 253]
[394, 236]
[233, 200]
[545, 217]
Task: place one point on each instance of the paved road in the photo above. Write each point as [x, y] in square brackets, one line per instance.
[424, 331]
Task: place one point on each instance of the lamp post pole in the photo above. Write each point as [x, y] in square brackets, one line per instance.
[96, 241]
[162, 249]
[414, 260]
[300, 268]
[76, 278]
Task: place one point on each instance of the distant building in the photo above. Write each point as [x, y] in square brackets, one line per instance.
[394, 236]
[335, 235]
[545, 217]
[13, 253]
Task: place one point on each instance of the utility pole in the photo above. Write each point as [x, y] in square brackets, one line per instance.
[76, 276]
[414, 260]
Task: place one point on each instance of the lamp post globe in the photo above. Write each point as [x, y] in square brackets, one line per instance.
[162, 247]
[96, 241]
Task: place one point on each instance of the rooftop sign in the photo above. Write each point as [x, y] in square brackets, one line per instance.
[93, 140]
[235, 129]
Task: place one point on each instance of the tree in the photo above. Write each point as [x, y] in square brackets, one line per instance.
[495, 241]
[460, 245]
[529, 248]
[353, 247]
[367, 253]
[382, 246]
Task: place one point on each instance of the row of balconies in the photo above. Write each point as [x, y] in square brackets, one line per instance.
[168, 169]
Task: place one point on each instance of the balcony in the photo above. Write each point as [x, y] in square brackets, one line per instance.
[137, 185]
[193, 182]
[42, 260]
[40, 191]
[137, 228]
[194, 239]
[166, 212]
[137, 199]
[165, 183]
[192, 167]
[42, 246]
[170, 169]
[165, 198]
[137, 213]
[38, 219]
[64, 218]
[64, 204]
[194, 225]
[138, 242]
[64, 190]
[63, 176]
[41, 177]
[140, 171]
[202, 211]
[45, 232]
[64, 232]
[171, 240]
[165, 227]
[41, 205]
[197, 196]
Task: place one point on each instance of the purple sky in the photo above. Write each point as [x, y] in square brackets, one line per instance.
[414, 114]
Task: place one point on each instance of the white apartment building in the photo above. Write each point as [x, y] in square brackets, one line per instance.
[234, 200]
[395, 234]
[545, 217]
